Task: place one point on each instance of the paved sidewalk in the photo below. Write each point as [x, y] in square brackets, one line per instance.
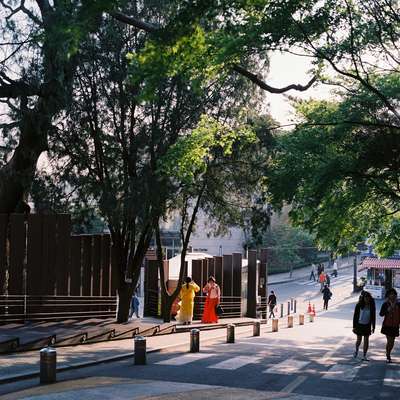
[335, 324]
[18, 366]
[23, 365]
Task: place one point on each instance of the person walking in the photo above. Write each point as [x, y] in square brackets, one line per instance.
[272, 304]
[187, 295]
[335, 269]
[319, 270]
[326, 296]
[390, 310]
[322, 279]
[328, 280]
[213, 292]
[364, 320]
[313, 272]
[134, 305]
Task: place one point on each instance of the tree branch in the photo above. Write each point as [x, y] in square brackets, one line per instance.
[135, 22]
[255, 79]
[18, 89]
[151, 28]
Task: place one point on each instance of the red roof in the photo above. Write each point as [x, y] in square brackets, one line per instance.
[380, 263]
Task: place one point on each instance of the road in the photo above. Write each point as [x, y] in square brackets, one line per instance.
[311, 362]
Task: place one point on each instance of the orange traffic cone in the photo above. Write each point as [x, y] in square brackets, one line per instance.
[313, 311]
[309, 309]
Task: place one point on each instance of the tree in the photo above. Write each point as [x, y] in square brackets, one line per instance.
[216, 168]
[288, 247]
[106, 150]
[208, 37]
[339, 168]
[40, 46]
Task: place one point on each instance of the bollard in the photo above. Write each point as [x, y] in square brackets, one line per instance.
[281, 310]
[140, 350]
[301, 319]
[256, 328]
[48, 364]
[275, 322]
[230, 333]
[290, 321]
[194, 340]
[291, 304]
[295, 306]
[311, 318]
[288, 308]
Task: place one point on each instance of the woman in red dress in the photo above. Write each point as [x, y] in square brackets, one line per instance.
[213, 293]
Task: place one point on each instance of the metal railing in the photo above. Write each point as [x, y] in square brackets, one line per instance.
[21, 308]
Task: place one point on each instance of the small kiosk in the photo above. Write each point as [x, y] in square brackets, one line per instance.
[382, 274]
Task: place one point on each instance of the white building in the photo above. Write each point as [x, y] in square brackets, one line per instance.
[202, 239]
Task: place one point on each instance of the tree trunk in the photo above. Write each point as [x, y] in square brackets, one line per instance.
[17, 175]
[119, 271]
[166, 305]
[124, 302]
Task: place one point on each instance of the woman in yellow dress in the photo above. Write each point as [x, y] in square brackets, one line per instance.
[187, 294]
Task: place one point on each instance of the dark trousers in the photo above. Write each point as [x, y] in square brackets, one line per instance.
[326, 304]
[312, 276]
[271, 310]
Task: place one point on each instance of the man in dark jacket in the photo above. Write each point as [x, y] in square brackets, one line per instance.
[326, 295]
[271, 304]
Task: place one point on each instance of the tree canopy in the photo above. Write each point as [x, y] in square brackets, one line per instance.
[339, 169]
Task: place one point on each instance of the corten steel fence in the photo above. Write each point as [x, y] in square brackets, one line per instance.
[227, 271]
[46, 273]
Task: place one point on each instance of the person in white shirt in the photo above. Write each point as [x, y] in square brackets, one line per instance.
[335, 269]
[364, 322]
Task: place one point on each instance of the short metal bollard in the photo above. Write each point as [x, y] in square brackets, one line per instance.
[290, 321]
[275, 323]
[295, 306]
[301, 319]
[256, 328]
[311, 318]
[140, 350]
[48, 364]
[288, 308]
[291, 304]
[194, 340]
[230, 333]
[281, 310]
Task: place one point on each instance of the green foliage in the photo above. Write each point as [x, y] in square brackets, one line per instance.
[192, 155]
[288, 248]
[339, 169]
[218, 168]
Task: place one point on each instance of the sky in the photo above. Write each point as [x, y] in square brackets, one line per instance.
[286, 69]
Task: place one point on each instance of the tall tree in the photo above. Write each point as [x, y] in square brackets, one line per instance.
[40, 53]
[106, 150]
[339, 169]
[216, 169]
